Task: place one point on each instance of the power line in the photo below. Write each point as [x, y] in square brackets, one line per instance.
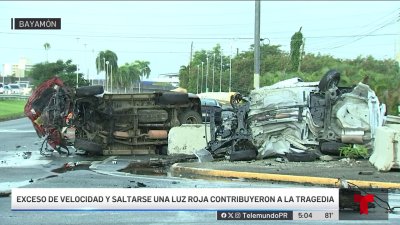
[121, 51]
[363, 36]
[134, 37]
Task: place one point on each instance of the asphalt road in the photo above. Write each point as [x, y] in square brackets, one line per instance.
[18, 136]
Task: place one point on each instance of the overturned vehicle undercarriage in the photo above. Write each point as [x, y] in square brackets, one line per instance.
[108, 124]
[299, 120]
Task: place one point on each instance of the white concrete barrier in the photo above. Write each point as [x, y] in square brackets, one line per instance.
[187, 138]
[386, 153]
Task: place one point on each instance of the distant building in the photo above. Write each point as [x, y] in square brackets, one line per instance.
[172, 78]
[17, 70]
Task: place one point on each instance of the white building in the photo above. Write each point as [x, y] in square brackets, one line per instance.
[18, 70]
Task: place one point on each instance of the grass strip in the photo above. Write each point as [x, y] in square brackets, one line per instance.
[11, 109]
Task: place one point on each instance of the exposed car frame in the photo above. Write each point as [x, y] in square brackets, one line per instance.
[109, 124]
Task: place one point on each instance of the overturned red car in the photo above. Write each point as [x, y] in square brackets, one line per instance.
[108, 124]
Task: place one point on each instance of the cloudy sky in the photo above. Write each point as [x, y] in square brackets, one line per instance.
[162, 31]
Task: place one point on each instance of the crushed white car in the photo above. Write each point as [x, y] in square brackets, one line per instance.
[293, 116]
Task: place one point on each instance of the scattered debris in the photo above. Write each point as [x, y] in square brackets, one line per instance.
[365, 172]
[280, 159]
[27, 155]
[326, 158]
[140, 184]
[5, 194]
[346, 160]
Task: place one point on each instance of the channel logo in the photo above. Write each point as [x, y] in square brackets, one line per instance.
[363, 204]
[363, 201]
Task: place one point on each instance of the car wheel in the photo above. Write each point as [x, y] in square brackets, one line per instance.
[331, 147]
[88, 146]
[171, 98]
[89, 91]
[329, 80]
[243, 155]
[301, 157]
[190, 117]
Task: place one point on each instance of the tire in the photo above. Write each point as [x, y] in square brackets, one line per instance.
[89, 91]
[329, 80]
[243, 155]
[190, 117]
[301, 157]
[173, 98]
[88, 146]
[331, 147]
[163, 150]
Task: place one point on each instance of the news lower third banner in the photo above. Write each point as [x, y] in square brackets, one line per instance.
[228, 203]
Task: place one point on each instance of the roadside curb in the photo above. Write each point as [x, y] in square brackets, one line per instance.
[185, 170]
[13, 117]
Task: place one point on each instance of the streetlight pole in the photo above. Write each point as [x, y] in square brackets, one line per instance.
[86, 64]
[104, 67]
[111, 80]
[230, 70]
[77, 63]
[107, 62]
[220, 76]
[207, 76]
[212, 88]
[77, 80]
[202, 75]
[197, 83]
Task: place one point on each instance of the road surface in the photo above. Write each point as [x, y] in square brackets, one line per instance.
[18, 137]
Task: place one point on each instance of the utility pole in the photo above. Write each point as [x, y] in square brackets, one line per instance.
[257, 45]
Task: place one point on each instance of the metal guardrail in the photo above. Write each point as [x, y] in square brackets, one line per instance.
[13, 97]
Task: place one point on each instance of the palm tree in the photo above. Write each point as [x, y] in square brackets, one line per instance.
[101, 60]
[128, 74]
[46, 48]
[144, 69]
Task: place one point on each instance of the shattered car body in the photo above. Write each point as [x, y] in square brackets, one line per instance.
[295, 116]
[109, 124]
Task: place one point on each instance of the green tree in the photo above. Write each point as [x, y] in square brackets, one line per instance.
[65, 70]
[101, 60]
[144, 69]
[46, 48]
[194, 80]
[128, 74]
[295, 50]
[381, 75]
